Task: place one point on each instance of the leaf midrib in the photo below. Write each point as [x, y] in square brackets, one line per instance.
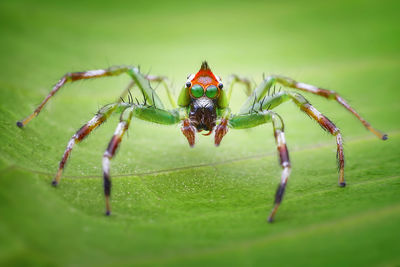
[391, 134]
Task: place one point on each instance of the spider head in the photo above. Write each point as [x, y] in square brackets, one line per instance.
[204, 84]
[204, 90]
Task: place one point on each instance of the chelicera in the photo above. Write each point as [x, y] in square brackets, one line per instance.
[203, 105]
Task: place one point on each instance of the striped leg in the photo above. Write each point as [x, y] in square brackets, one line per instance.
[123, 125]
[329, 94]
[326, 124]
[139, 79]
[260, 92]
[245, 121]
[329, 126]
[143, 112]
[81, 134]
[72, 77]
[283, 160]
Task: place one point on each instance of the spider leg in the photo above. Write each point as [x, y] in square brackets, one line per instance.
[137, 77]
[162, 80]
[265, 86]
[283, 152]
[72, 77]
[123, 125]
[260, 115]
[100, 117]
[323, 121]
[127, 91]
[245, 121]
[233, 79]
[143, 112]
[159, 79]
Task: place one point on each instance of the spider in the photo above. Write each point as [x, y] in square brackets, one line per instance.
[203, 105]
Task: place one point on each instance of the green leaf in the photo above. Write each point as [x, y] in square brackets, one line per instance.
[173, 205]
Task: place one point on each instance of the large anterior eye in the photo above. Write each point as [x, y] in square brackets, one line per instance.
[197, 90]
[211, 91]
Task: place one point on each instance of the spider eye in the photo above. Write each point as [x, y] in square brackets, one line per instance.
[220, 86]
[188, 84]
[197, 90]
[211, 91]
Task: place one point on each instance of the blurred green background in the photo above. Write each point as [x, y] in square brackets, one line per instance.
[175, 205]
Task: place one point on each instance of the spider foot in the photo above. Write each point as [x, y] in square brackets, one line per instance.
[272, 214]
[56, 179]
[108, 206]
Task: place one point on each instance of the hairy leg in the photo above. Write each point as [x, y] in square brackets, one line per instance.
[281, 97]
[100, 117]
[163, 81]
[261, 91]
[260, 117]
[139, 79]
[72, 77]
[143, 112]
[233, 79]
[284, 162]
[123, 125]
[152, 78]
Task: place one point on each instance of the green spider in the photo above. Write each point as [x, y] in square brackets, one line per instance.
[203, 105]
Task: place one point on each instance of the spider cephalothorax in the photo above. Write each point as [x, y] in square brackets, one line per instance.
[204, 90]
[204, 96]
[203, 104]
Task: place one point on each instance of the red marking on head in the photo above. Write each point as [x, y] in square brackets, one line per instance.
[205, 77]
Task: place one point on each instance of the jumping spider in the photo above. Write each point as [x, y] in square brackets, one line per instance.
[203, 105]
